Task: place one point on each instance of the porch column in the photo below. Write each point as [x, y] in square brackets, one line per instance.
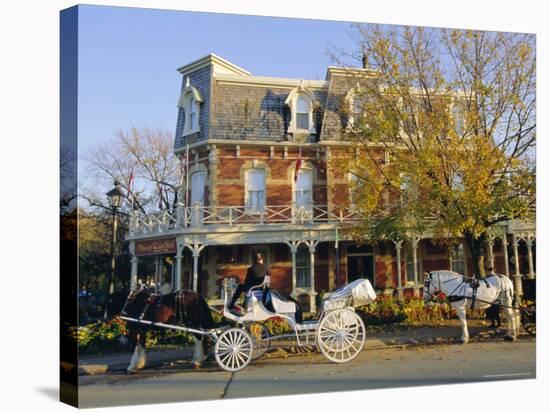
[177, 284]
[180, 245]
[415, 262]
[312, 292]
[398, 245]
[196, 250]
[517, 275]
[293, 244]
[157, 271]
[530, 256]
[134, 265]
[490, 255]
[505, 250]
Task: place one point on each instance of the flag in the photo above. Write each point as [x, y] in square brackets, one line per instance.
[337, 239]
[298, 165]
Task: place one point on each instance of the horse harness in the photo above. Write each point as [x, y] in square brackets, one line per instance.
[452, 297]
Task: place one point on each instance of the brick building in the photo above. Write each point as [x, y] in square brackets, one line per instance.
[243, 136]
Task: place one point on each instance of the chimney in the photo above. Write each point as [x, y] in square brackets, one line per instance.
[364, 60]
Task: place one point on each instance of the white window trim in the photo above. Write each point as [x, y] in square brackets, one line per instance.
[188, 94]
[458, 107]
[352, 186]
[292, 101]
[248, 210]
[308, 169]
[350, 97]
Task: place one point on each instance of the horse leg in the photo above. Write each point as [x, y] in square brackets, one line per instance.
[139, 358]
[198, 353]
[511, 317]
[461, 313]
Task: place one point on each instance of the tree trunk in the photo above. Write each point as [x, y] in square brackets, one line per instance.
[477, 252]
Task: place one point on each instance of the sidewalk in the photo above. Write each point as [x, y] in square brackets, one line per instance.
[389, 337]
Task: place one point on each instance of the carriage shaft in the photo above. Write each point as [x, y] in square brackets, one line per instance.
[170, 326]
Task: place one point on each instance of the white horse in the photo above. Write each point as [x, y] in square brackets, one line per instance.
[462, 296]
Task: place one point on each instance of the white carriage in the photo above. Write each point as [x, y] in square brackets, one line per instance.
[338, 331]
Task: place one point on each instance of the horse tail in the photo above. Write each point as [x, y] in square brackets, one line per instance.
[206, 319]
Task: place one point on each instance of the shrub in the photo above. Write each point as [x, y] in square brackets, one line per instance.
[388, 310]
[113, 336]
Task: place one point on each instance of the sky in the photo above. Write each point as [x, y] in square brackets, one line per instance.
[128, 59]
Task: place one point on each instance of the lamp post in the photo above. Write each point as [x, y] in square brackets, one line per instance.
[115, 201]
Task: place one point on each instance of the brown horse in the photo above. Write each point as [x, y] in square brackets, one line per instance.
[182, 308]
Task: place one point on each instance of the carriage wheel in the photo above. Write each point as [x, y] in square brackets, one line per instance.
[341, 335]
[260, 338]
[529, 319]
[234, 349]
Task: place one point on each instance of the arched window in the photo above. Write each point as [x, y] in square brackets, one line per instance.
[301, 102]
[193, 114]
[190, 101]
[255, 191]
[302, 113]
[353, 189]
[458, 118]
[198, 184]
[303, 191]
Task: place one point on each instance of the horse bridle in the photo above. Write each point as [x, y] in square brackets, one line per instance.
[427, 285]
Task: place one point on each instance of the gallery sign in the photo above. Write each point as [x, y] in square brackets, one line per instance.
[156, 246]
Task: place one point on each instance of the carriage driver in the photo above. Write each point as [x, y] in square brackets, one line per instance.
[254, 277]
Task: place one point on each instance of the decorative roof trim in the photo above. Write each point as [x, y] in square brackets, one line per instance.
[211, 59]
[188, 89]
[281, 82]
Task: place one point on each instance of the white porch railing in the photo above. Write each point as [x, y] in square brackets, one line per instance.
[198, 216]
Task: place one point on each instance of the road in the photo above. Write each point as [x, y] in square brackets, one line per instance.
[372, 369]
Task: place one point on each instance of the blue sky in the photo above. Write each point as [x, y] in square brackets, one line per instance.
[128, 59]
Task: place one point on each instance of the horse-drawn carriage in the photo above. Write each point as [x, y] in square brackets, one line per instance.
[337, 330]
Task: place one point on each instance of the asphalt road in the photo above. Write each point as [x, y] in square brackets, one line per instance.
[372, 369]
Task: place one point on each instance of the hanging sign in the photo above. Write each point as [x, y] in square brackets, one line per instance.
[156, 246]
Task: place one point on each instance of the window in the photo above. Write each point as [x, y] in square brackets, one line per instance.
[304, 189]
[302, 113]
[303, 267]
[458, 118]
[255, 191]
[458, 263]
[354, 188]
[301, 102]
[356, 110]
[190, 101]
[198, 184]
[193, 114]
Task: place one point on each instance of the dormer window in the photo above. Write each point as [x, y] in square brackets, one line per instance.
[193, 114]
[458, 118]
[355, 101]
[302, 113]
[301, 102]
[190, 101]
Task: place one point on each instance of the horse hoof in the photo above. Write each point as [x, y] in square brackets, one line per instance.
[196, 366]
[463, 341]
[509, 338]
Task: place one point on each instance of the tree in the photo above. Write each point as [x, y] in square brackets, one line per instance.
[148, 156]
[447, 126]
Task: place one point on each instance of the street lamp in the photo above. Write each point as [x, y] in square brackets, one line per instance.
[115, 201]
